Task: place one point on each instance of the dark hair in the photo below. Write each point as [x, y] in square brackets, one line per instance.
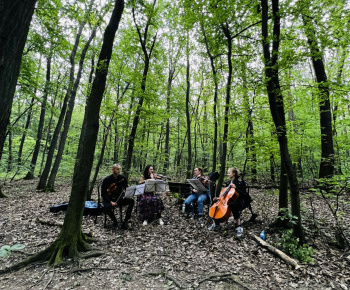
[146, 172]
[200, 169]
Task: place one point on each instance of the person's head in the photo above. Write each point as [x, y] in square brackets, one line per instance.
[116, 169]
[147, 172]
[233, 173]
[198, 171]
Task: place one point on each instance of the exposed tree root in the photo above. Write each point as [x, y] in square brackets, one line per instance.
[57, 252]
[223, 277]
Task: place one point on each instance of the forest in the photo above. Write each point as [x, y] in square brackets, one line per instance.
[257, 84]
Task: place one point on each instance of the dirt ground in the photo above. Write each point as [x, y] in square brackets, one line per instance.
[178, 255]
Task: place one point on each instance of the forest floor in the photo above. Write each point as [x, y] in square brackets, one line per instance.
[179, 254]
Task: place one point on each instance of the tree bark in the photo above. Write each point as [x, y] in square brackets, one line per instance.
[14, 26]
[30, 174]
[228, 36]
[216, 86]
[70, 239]
[20, 150]
[277, 107]
[327, 148]
[147, 57]
[188, 119]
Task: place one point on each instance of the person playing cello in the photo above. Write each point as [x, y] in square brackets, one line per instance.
[236, 205]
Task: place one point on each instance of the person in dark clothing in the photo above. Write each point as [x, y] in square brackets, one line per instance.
[236, 205]
[111, 191]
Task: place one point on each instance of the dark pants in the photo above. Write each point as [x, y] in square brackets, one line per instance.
[121, 202]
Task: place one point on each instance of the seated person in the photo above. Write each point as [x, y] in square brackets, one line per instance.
[200, 197]
[111, 191]
[149, 204]
[236, 205]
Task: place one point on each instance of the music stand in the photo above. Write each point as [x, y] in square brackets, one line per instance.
[154, 185]
[134, 190]
[197, 184]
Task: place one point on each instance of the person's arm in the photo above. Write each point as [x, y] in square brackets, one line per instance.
[142, 180]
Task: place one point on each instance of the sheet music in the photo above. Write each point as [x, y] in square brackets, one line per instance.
[154, 185]
[135, 190]
[197, 184]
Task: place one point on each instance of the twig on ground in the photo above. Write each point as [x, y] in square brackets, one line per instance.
[48, 283]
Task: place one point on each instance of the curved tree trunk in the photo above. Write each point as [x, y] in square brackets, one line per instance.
[70, 242]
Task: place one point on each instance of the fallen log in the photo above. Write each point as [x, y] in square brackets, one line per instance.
[277, 252]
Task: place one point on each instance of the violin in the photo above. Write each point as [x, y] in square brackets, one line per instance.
[160, 176]
[113, 187]
[220, 210]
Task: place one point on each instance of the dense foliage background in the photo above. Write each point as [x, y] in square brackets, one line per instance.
[185, 41]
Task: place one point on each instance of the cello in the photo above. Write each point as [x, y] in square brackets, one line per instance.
[220, 210]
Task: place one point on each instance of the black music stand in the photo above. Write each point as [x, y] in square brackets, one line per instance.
[197, 184]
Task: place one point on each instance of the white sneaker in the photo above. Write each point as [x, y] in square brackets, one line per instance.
[161, 222]
[145, 223]
[214, 227]
[201, 222]
[239, 231]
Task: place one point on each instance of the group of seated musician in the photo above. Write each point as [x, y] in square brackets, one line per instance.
[150, 205]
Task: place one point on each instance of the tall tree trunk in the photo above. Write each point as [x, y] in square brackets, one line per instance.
[188, 119]
[147, 57]
[14, 26]
[67, 121]
[225, 29]
[30, 174]
[21, 144]
[47, 139]
[216, 86]
[66, 113]
[10, 159]
[167, 126]
[277, 107]
[327, 148]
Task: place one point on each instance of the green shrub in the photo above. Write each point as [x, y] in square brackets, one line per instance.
[289, 244]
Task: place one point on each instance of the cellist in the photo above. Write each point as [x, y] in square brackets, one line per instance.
[237, 205]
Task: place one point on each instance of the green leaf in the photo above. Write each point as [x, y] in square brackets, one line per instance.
[6, 248]
[17, 247]
[4, 253]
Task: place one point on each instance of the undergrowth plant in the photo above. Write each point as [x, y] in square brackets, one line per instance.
[289, 244]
